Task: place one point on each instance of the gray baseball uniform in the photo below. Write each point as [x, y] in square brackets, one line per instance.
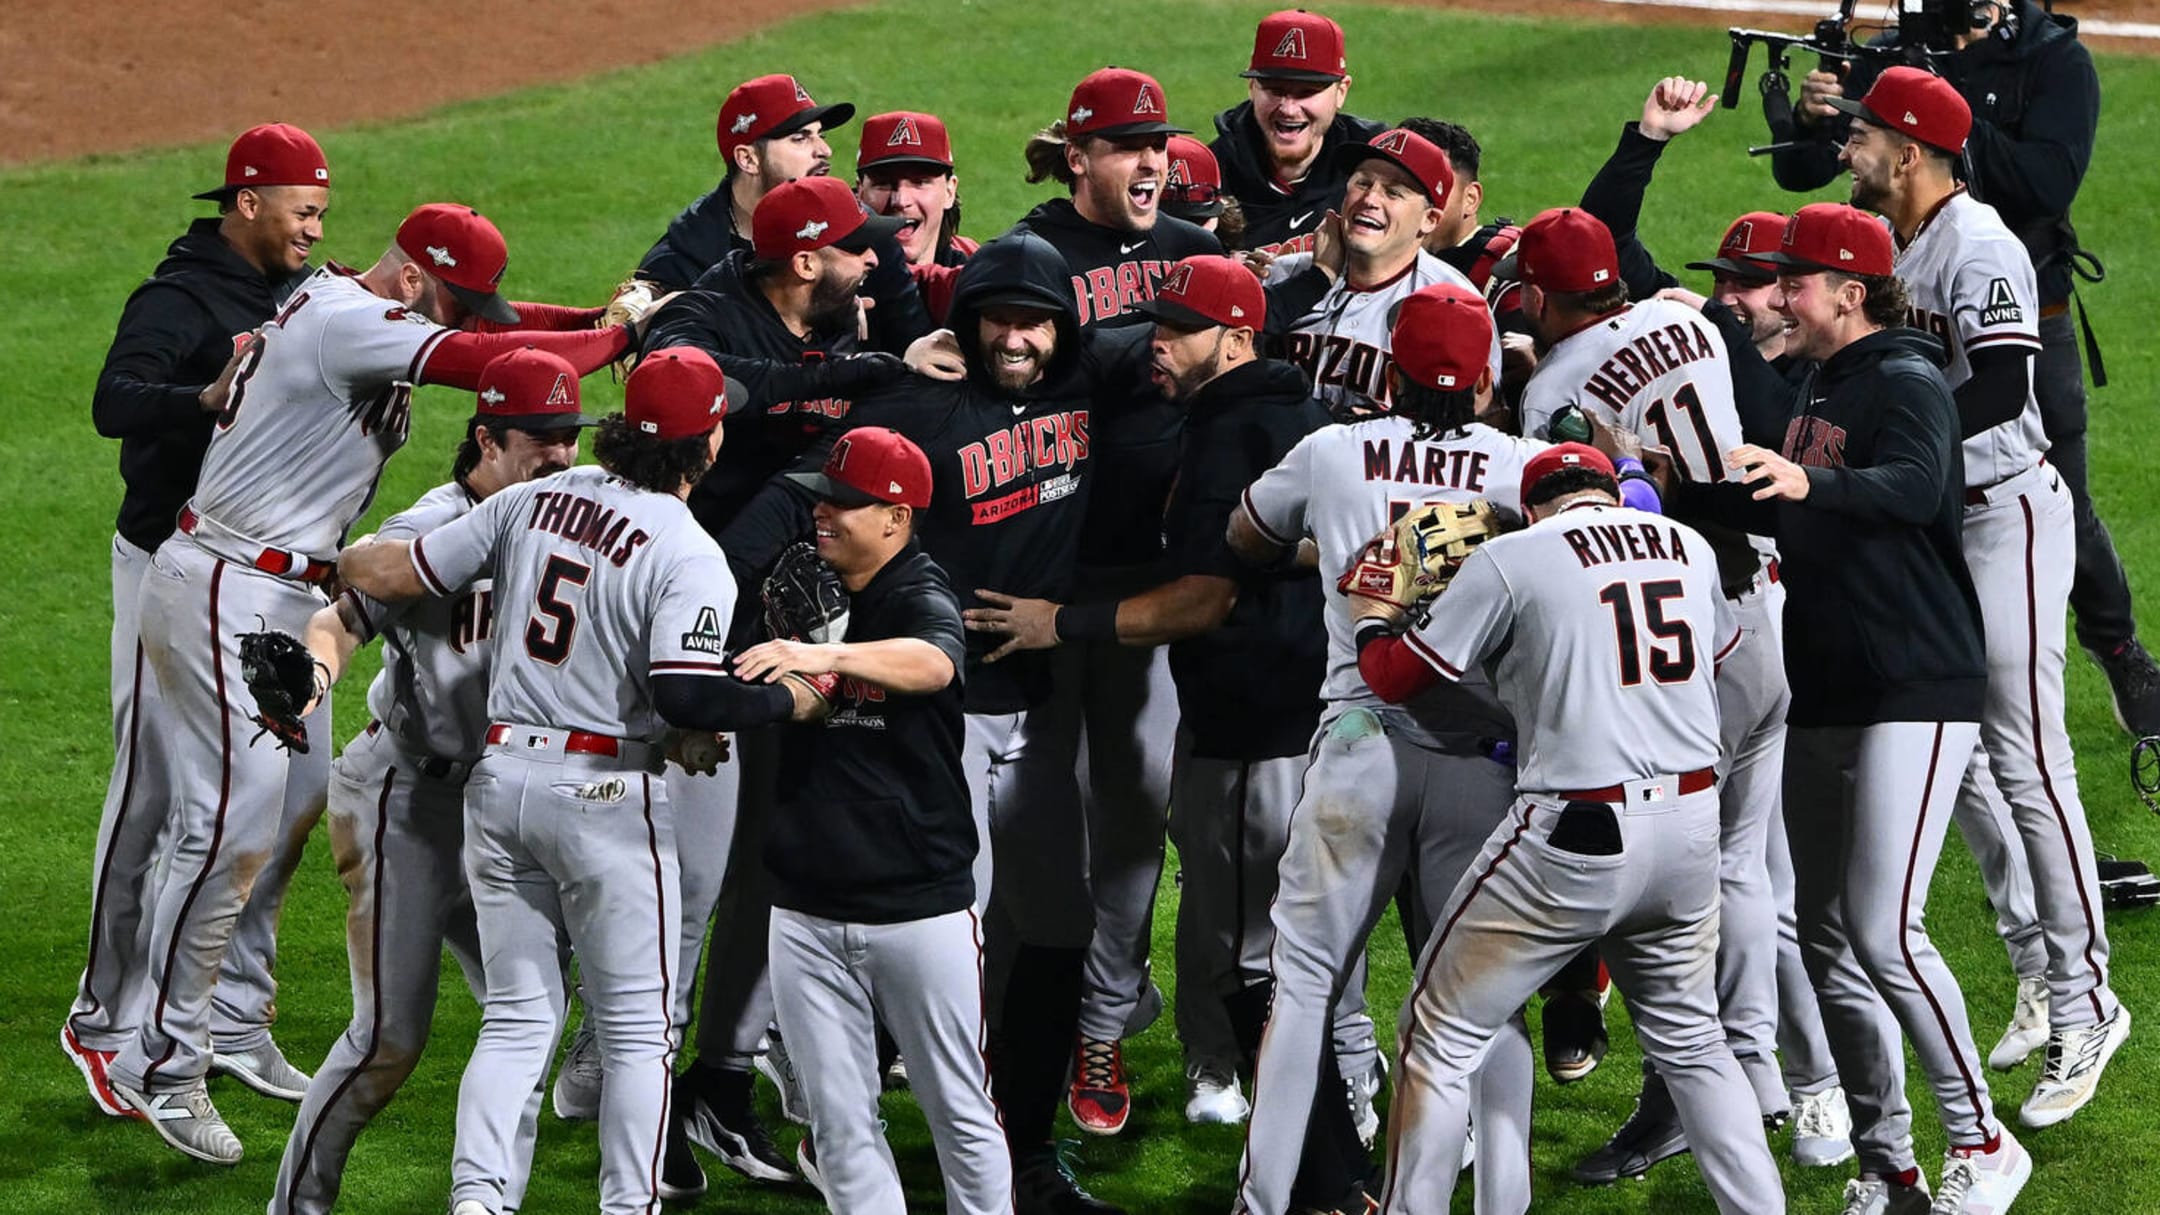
[1973, 287]
[1344, 342]
[1657, 369]
[1599, 626]
[599, 586]
[1390, 791]
[294, 460]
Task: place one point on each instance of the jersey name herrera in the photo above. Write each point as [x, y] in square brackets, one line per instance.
[1649, 355]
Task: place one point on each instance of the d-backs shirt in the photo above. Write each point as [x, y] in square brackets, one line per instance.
[315, 413]
[599, 585]
[1973, 288]
[1602, 627]
[1341, 485]
[1345, 343]
[432, 690]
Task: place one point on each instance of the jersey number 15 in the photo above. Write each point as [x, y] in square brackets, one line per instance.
[1675, 664]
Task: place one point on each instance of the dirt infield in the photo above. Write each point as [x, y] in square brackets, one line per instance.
[77, 79]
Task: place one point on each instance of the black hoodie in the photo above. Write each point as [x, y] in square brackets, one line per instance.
[1274, 217]
[1250, 689]
[2036, 107]
[1010, 473]
[175, 336]
[1881, 621]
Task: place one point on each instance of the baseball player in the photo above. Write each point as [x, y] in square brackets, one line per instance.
[1972, 288]
[615, 604]
[770, 132]
[1600, 626]
[219, 280]
[313, 409]
[1397, 187]
[872, 855]
[1279, 147]
[1247, 695]
[1390, 794]
[1884, 654]
[1658, 370]
[397, 793]
[904, 169]
[1193, 191]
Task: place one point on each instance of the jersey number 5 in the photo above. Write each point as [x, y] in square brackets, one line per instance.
[1675, 665]
[554, 620]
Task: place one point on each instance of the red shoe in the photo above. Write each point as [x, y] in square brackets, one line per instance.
[1098, 1099]
[92, 1065]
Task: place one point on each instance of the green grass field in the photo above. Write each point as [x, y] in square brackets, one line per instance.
[581, 178]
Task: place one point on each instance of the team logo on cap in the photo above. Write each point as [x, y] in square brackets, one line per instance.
[800, 93]
[838, 459]
[560, 394]
[440, 256]
[1179, 282]
[1292, 45]
[1147, 102]
[1743, 235]
[1393, 142]
[493, 395]
[906, 134]
[812, 230]
[743, 123]
[1082, 114]
[1179, 176]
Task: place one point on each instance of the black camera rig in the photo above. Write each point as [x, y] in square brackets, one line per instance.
[1928, 31]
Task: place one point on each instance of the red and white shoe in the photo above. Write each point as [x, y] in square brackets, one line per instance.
[1099, 1099]
[93, 1064]
[1980, 1182]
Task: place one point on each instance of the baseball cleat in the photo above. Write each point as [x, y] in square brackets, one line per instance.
[1874, 1195]
[1980, 1182]
[719, 1116]
[1363, 1090]
[896, 1077]
[1043, 1184]
[93, 1065]
[1652, 1133]
[1212, 1096]
[470, 1206]
[777, 1066]
[1099, 1099]
[682, 1178]
[2028, 1030]
[184, 1118]
[1822, 1129]
[263, 1069]
[2075, 1059]
[1574, 1034]
[2133, 687]
[576, 1095]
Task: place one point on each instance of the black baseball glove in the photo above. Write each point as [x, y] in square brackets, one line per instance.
[283, 676]
[803, 598]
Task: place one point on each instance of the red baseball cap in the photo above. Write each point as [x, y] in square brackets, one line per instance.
[811, 213]
[458, 245]
[1567, 249]
[1562, 456]
[904, 137]
[675, 393]
[1423, 160]
[1192, 189]
[1915, 103]
[1205, 290]
[1442, 337]
[1833, 236]
[771, 106]
[274, 154]
[1296, 45]
[1739, 255]
[872, 464]
[1118, 101]
[531, 389]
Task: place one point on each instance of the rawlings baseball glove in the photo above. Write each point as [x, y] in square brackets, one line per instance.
[803, 598]
[285, 679]
[634, 300]
[1412, 561]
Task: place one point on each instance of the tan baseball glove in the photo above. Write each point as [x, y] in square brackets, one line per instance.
[1412, 561]
[635, 299]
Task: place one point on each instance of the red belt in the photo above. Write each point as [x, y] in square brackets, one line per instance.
[1978, 495]
[273, 561]
[1690, 782]
[577, 742]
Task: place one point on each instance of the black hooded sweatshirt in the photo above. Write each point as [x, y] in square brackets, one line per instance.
[1881, 621]
[175, 336]
[1275, 217]
[1010, 473]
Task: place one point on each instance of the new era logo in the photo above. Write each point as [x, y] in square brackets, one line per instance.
[493, 395]
[893, 487]
[1292, 45]
[812, 230]
[1845, 255]
[742, 124]
[440, 256]
[250, 171]
[1911, 119]
[1236, 311]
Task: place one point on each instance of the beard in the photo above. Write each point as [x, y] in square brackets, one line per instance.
[1869, 196]
[1182, 385]
[832, 304]
[1012, 377]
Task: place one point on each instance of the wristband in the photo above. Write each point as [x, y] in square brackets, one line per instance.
[1370, 630]
[1087, 621]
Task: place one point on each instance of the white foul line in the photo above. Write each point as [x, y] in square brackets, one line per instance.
[1811, 8]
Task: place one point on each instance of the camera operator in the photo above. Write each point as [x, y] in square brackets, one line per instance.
[2036, 103]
